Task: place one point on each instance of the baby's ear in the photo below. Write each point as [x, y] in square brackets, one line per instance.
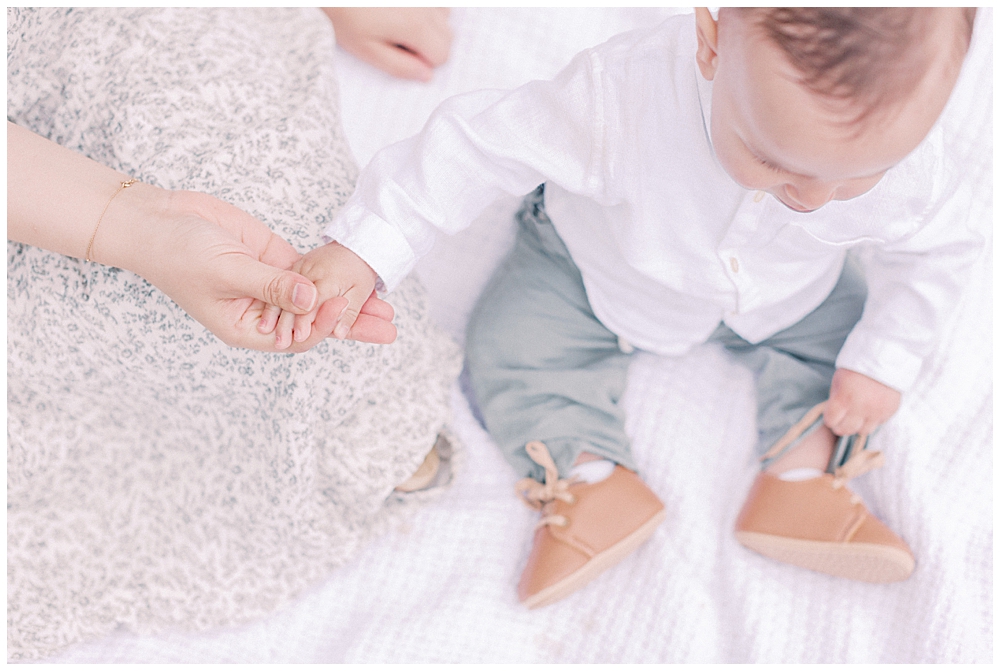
[707, 30]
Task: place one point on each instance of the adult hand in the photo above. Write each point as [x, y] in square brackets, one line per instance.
[343, 276]
[217, 262]
[406, 42]
[858, 404]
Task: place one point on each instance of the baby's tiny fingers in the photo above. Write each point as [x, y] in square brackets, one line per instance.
[268, 319]
[849, 426]
[283, 331]
[869, 427]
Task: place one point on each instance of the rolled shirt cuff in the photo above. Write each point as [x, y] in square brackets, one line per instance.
[380, 244]
[886, 361]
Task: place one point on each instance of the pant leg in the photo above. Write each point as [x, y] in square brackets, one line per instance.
[542, 366]
[794, 367]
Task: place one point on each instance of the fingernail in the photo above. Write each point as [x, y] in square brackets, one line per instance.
[303, 296]
[341, 330]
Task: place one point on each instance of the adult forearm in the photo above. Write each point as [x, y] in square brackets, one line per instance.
[218, 263]
[56, 197]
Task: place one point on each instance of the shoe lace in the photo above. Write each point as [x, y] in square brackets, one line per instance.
[858, 463]
[537, 495]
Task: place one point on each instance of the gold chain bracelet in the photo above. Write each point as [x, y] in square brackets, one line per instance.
[126, 184]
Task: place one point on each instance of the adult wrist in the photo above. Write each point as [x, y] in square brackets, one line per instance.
[126, 233]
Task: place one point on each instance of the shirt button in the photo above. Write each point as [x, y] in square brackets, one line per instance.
[759, 196]
[734, 264]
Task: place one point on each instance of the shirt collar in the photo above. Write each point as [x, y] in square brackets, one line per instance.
[705, 98]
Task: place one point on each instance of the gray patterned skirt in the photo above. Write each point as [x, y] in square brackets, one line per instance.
[156, 477]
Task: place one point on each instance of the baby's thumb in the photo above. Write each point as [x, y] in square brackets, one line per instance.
[286, 289]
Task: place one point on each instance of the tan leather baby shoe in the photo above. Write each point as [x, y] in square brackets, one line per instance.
[585, 528]
[819, 524]
[429, 473]
[423, 475]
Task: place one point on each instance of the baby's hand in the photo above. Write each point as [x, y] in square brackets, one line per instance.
[407, 42]
[858, 404]
[346, 303]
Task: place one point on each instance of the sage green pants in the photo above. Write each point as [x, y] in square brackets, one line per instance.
[543, 367]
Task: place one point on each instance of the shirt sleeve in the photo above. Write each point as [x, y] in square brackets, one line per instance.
[915, 282]
[474, 148]
[914, 286]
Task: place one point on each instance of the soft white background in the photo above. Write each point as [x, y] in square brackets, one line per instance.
[442, 588]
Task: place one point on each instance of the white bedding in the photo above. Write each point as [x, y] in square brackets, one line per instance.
[442, 589]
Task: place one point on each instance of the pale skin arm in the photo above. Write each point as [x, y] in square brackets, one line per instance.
[406, 42]
[217, 262]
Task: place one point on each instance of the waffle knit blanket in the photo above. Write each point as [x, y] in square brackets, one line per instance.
[440, 588]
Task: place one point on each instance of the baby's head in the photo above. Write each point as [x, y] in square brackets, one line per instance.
[816, 104]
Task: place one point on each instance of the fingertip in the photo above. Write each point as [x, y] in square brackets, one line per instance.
[268, 320]
[376, 307]
[284, 330]
[834, 422]
[834, 414]
[414, 69]
[373, 330]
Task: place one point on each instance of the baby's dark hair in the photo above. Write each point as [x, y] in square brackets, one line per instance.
[858, 57]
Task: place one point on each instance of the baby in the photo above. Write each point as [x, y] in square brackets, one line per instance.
[700, 181]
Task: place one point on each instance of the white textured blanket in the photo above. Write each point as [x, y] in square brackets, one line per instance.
[442, 589]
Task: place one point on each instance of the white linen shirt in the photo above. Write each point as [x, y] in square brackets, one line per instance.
[667, 243]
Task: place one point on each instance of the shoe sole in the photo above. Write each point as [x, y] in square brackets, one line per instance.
[599, 563]
[866, 562]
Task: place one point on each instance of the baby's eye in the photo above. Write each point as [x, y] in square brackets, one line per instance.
[767, 164]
